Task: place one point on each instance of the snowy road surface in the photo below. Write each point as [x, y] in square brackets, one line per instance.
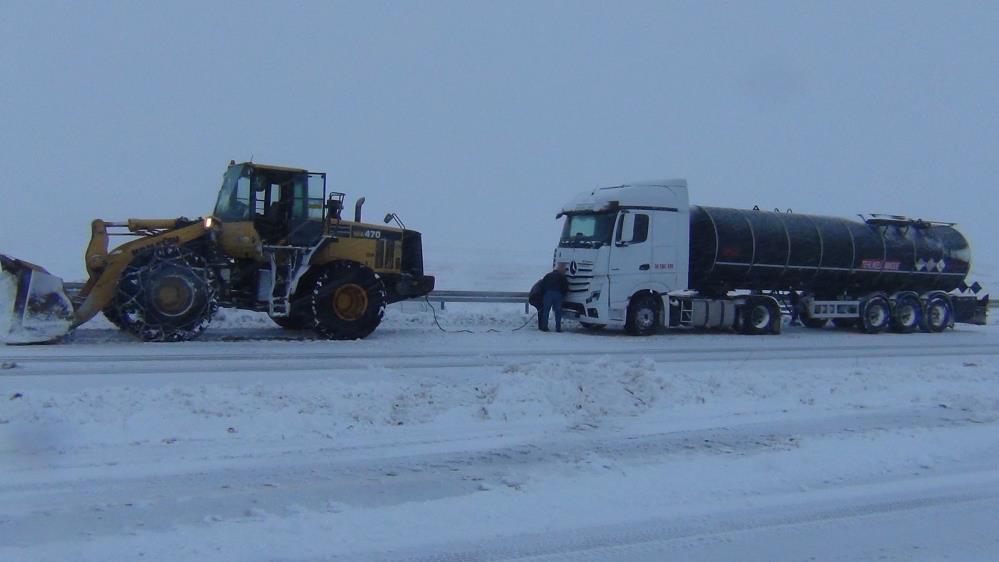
[414, 444]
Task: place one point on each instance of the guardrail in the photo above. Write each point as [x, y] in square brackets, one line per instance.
[443, 297]
[480, 296]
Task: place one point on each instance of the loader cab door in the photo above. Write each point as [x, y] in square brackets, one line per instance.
[630, 266]
[287, 206]
[308, 197]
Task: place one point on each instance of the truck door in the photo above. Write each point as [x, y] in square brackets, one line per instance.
[667, 245]
[630, 259]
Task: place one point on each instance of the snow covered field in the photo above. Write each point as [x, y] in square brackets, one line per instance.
[502, 443]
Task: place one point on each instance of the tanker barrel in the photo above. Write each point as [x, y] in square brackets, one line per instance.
[741, 249]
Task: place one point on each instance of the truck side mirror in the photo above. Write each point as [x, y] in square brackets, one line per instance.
[625, 229]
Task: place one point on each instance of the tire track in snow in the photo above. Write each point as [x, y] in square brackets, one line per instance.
[311, 360]
[123, 494]
[685, 537]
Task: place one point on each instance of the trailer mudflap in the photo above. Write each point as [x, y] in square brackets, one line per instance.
[971, 310]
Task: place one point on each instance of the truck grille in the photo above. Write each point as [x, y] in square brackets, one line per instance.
[579, 282]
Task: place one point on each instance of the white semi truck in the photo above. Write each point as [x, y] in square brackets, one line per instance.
[640, 257]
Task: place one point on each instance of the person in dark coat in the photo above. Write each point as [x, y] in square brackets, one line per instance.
[554, 288]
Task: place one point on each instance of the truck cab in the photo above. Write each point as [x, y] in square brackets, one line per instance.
[622, 245]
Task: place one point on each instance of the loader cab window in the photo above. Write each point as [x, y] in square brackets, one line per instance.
[235, 198]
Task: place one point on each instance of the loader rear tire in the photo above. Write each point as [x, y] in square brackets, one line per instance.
[300, 316]
[348, 301]
[165, 294]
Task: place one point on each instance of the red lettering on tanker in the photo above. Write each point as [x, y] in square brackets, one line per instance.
[879, 264]
[666, 266]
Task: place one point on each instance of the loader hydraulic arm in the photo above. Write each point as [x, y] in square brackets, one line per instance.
[97, 250]
[103, 283]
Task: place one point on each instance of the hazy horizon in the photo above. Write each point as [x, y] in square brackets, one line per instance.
[476, 122]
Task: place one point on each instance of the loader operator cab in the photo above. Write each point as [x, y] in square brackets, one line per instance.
[284, 204]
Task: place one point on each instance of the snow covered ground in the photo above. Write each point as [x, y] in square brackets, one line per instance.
[493, 441]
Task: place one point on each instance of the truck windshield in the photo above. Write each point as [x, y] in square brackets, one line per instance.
[590, 230]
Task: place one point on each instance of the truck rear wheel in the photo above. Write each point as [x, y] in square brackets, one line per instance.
[937, 315]
[875, 315]
[760, 316]
[906, 315]
[165, 294]
[348, 301]
[643, 315]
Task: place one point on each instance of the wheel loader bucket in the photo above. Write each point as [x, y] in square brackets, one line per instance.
[34, 307]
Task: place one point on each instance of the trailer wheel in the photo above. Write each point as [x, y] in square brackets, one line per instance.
[348, 301]
[875, 315]
[906, 315]
[165, 294]
[845, 323]
[760, 317]
[643, 315]
[937, 315]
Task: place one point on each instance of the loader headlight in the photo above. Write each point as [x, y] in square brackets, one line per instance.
[209, 223]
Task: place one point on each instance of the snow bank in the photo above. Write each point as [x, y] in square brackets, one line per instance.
[271, 407]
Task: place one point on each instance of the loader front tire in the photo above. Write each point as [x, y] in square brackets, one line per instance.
[348, 301]
[165, 294]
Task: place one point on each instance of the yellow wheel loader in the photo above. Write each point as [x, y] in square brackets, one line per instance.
[276, 242]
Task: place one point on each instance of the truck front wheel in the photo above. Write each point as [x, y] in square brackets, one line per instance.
[643, 315]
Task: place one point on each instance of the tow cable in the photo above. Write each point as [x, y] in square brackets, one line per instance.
[490, 330]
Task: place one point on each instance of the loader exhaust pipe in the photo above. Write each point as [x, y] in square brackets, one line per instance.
[357, 209]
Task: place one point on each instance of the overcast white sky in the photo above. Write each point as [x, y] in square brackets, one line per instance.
[475, 121]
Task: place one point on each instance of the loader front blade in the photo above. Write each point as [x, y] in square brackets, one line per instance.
[34, 307]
